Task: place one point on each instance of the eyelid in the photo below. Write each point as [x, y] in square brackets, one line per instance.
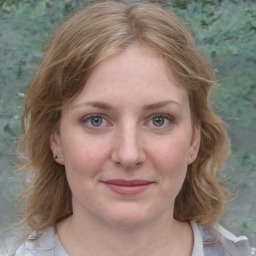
[167, 116]
[170, 118]
[86, 118]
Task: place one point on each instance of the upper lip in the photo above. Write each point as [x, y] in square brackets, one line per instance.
[120, 182]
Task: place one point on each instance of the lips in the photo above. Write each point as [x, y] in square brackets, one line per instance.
[127, 182]
[127, 187]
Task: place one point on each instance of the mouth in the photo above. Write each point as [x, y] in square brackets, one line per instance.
[127, 187]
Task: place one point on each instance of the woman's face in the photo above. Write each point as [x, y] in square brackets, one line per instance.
[126, 140]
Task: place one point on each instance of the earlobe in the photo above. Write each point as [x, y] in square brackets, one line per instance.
[195, 145]
[56, 148]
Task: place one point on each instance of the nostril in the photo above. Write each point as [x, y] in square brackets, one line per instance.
[129, 166]
[128, 160]
[128, 163]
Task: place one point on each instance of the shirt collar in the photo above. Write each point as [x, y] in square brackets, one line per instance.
[198, 249]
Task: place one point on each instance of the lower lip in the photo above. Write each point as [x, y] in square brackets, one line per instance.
[128, 190]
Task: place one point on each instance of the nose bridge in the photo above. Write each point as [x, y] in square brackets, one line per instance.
[128, 149]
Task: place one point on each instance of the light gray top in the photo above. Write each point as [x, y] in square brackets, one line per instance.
[47, 243]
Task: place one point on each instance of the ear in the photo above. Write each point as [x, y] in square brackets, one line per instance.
[195, 144]
[55, 142]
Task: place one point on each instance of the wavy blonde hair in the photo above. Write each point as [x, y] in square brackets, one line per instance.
[78, 46]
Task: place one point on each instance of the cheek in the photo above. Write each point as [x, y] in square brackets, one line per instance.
[173, 150]
[170, 158]
[84, 157]
[83, 166]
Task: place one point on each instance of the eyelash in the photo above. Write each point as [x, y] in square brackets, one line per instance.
[90, 117]
[169, 118]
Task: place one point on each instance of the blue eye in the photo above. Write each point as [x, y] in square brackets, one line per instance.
[94, 121]
[161, 121]
[158, 121]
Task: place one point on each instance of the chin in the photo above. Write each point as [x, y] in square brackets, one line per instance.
[129, 222]
[131, 217]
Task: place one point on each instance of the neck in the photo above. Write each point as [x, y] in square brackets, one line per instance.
[165, 236]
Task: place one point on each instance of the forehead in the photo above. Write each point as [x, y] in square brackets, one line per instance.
[136, 74]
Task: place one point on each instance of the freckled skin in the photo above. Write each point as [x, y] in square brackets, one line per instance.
[127, 145]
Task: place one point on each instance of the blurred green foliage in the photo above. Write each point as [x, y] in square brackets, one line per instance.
[225, 31]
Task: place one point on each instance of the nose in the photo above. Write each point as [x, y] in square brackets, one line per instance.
[128, 151]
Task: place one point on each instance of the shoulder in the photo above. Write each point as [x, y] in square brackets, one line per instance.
[219, 241]
[37, 244]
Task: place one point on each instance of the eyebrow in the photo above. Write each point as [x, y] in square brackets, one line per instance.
[96, 104]
[160, 104]
[106, 106]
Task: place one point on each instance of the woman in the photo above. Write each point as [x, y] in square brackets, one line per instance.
[120, 143]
